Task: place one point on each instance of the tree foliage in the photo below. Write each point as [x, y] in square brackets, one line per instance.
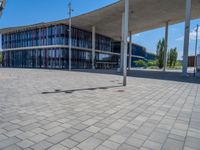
[172, 57]
[160, 52]
[140, 63]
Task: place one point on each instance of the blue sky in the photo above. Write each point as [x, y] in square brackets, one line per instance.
[24, 12]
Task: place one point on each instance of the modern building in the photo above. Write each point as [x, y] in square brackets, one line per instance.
[150, 56]
[46, 45]
[120, 20]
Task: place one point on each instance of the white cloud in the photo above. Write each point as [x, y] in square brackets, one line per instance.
[192, 35]
[137, 35]
[180, 38]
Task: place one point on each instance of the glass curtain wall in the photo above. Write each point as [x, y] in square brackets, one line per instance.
[56, 58]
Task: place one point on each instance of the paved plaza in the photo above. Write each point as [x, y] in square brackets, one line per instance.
[61, 110]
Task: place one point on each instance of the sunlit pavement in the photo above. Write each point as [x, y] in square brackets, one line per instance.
[52, 109]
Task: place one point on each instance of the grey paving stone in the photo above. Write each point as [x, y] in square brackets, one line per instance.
[194, 133]
[111, 144]
[101, 147]
[41, 145]
[54, 131]
[30, 127]
[159, 137]
[12, 147]
[135, 142]
[93, 129]
[140, 117]
[89, 144]
[80, 126]
[193, 142]
[118, 124]
[188, 148]
[3, 137]
[127, 147]
[38, 130]
[58, 137]
[58, 147]
[81, 136]
[125, 131]
[13, 133]
[108, 131]
[69, 143]
[8, 142]
[171, 144]
[72, 131]
[37, 138]
[51, 125]
[90, 122]
[152, 145]
[117, 138]
[101, 136]
[25, 135]
[25, 144]
[176, 137]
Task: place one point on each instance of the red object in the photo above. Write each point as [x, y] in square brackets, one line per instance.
[191, 61]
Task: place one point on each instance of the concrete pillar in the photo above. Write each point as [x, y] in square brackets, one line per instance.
[166, 47]
[126, 21]
[130, 52]
[122, 45]
[70, 37]
[196, 47]
[186, 37]
[70, 46]
[93, 46]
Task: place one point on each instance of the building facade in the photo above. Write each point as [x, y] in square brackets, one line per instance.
[47, 47]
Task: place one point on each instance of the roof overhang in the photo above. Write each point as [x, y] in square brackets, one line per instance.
[143, 15]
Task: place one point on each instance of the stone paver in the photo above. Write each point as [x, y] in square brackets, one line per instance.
[52, 109]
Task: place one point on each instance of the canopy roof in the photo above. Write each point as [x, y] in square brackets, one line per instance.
[143, 15]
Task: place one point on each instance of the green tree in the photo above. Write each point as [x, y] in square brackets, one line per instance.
[160, 52]
[172, 57]
[140, 63]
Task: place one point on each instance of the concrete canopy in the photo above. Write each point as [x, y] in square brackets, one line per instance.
[143, 15]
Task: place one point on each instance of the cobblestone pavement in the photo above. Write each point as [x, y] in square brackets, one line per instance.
[60, 110]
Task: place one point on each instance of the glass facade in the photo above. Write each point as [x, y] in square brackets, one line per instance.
[106, 61]
[47, 58]
[54, 35]
[28, 49]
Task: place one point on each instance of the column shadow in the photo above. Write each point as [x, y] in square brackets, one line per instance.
[56, 91]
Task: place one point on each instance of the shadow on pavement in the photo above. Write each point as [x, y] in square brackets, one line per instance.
[148, 74]
[159, 75]
[77, 90]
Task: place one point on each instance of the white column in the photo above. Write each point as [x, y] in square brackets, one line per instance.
[166, 46]
[196, 46]
[70, 46]
[186, 37]
[130, 52]
[126, 21]
[122, 45]
[93, 47]
[70, 37]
